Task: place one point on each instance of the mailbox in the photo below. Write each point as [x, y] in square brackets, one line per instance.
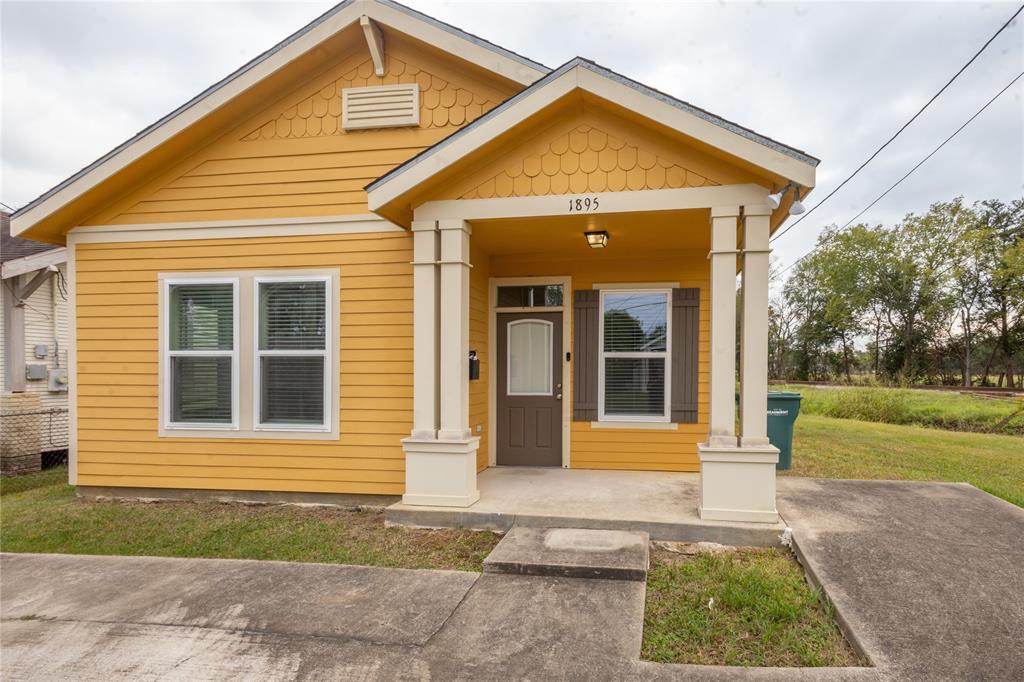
[474, 366]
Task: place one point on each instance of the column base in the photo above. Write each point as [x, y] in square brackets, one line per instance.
[738, 483]
[440, 473]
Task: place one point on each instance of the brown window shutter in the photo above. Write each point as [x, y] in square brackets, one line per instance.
[585, 326]
[685, 353]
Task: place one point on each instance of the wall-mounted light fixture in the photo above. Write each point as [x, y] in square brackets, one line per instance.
[775, 199]
[597, 239]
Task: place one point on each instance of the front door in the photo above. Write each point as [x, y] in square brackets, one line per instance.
[529, 389]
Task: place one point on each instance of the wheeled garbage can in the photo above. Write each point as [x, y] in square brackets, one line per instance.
[783, 408]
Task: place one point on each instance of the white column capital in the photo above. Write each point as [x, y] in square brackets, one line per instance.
[725, 211]
[757, 209]
[424, 225]
[454, 224]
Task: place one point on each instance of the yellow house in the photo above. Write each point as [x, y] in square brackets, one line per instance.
[386, 255]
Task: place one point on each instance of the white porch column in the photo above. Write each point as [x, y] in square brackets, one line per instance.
[440, 456]
[454, 329]
[723, 327]
[737, 480]
[425, 328]
[754, 335]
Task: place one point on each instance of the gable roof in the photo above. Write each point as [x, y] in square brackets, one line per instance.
[12, 248]
[586, 75]
[464, 45]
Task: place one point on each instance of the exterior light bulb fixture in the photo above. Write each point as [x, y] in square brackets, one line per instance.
[597, 239]
[797, 207]
[775, 199]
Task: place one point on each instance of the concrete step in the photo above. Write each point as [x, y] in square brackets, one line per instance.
[571, 553]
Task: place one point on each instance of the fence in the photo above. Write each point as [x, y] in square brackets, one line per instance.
[31, 439]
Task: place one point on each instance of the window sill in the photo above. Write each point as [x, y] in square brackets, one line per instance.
[241, 434]
[656, 426]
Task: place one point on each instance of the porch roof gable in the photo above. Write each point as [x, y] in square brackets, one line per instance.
[586, 75]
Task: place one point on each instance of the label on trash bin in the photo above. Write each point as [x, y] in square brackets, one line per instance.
[778, 413]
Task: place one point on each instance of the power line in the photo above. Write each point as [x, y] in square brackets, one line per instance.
[903, 127]
[918, 165]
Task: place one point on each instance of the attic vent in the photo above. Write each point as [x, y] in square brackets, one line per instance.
[382, 106]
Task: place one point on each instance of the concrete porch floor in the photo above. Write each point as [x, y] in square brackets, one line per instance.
[662, 504]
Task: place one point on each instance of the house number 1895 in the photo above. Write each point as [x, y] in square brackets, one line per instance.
[583, 204]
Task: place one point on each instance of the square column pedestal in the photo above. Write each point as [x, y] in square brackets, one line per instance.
[440, 473]
[738, 484]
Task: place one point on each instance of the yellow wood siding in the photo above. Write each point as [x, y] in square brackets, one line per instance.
[631, 448]
[118, 442]
[293, 159]
[479, 292]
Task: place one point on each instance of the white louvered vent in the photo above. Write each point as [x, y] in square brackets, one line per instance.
[382, 106]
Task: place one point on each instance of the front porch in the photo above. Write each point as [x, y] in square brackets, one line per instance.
[664, 504]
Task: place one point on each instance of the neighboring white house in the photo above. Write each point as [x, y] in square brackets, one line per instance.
[33, 374]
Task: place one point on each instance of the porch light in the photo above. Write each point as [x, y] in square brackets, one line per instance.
[775, 199]
[797, 207]
[597, 239]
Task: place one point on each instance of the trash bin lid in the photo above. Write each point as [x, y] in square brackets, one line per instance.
[783, 395]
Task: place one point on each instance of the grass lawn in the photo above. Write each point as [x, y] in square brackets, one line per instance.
[751, 607]
[39, 513]
[938, 409]
[824, 447]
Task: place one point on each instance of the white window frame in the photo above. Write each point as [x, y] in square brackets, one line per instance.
[666, 354]
[508, 356]
[166, 353]
[257, 354]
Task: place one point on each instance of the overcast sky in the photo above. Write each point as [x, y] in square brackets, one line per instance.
[832, 79]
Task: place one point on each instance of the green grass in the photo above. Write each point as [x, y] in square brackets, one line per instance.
[937, 409]
[763, 612]
[824, 447]
[40, 513]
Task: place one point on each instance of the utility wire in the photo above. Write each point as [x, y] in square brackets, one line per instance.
[919, 164]
[903, 127]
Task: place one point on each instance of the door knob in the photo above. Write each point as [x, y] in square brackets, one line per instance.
[558, 396]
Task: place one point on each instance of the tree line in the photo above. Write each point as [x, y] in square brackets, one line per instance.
[936, 298]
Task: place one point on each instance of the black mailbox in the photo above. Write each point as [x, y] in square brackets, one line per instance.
[474, 366]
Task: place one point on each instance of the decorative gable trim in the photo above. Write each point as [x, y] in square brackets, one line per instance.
[386, 12]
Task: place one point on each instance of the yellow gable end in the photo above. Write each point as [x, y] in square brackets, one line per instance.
[590, 149]
[294, 159]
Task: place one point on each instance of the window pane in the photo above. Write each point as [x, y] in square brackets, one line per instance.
[291, 390]
[201, 390]
[529, 358]
[293, 315]
[201, 317]
[635, 322]
[530, 296]
[634, 386]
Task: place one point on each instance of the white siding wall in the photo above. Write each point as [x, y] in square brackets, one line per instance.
[41, 327]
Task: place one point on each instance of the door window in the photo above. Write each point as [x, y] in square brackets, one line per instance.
[529, 357]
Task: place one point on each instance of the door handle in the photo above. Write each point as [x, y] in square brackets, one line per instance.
[558, 396]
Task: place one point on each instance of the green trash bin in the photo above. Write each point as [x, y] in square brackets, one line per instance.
[783, 408]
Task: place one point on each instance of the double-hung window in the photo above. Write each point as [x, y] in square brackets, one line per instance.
[634, 355]
[292, 388]
[251, 354]
[201, 358]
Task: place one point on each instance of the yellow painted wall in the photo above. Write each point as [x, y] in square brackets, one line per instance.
[478, 312]
[292, 159]
[639, 449]
[118, 357]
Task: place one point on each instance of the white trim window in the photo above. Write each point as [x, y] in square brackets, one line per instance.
[200, 353]
[634, 370]
[292, 353]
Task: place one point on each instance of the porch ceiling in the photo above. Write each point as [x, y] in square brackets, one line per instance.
[628, 233]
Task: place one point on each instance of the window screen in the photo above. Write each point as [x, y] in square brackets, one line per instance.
[634, 353]
[292, 352]
[201, 345]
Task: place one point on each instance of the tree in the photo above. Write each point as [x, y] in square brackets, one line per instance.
[1004, 300]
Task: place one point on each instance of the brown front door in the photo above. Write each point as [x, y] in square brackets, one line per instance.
[529, 389]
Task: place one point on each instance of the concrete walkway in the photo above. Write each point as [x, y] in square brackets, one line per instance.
[928, 578]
